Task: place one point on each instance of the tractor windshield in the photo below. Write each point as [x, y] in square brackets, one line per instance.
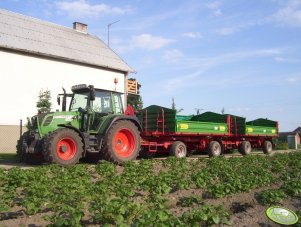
[79, 100]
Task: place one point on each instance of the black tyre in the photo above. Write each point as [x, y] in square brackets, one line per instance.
[178, 149]
[245, 148]
[214, 149]
[63, 146]
[267, 147]
[122, 142]
[22, 152]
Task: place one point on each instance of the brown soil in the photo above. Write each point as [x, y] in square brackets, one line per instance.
[245, 209]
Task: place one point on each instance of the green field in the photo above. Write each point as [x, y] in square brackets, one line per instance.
[148, 192]
[8, 156]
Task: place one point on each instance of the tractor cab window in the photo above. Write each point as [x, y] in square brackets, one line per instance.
[79, 100]
[118, 103]
[102, 102]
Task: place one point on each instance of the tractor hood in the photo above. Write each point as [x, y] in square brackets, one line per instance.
[49, 122]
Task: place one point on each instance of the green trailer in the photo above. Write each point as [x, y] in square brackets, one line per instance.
[163, 129]
[154, 116]
[262, 127]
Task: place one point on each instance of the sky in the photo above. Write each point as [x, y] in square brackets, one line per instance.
[238, 55]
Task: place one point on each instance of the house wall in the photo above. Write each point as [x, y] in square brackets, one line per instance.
[23, 76]
[284, 137]
[9, 135]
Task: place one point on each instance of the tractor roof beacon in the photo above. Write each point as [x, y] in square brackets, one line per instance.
[94, 123]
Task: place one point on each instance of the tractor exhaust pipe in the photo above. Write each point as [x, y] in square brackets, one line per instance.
[21, 128]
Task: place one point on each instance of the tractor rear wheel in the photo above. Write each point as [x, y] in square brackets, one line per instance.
[63, 146]
[267, 147]
[122, 142]
[214, 149]
[178, 149]
[245, 148]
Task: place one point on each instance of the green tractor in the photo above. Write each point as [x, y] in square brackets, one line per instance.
[95, 123]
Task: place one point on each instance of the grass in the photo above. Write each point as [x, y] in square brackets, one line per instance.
[8, 156]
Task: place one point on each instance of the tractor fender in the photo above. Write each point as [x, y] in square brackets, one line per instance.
[133, 119]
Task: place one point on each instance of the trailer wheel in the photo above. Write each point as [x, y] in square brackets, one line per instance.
[178, 149]
[214, 149]
[122, 142]
[267, 147]
[63, 146]
[245, 148]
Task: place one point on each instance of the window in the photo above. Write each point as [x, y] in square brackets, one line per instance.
[79, 100]
[102, 102]
[118, 103]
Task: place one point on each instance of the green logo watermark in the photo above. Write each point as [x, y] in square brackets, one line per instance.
[282, 215]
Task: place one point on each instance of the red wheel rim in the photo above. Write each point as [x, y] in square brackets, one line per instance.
[66, 148]
[124, 143]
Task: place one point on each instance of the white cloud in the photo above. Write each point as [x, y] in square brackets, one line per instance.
[290, 14]
[215, 7]
[172, 55]
[82, 8]
[217, 12]
[144, 41]
[294, 79]
[287, 60]
[227, 31]
[149, 42]
[192, 35]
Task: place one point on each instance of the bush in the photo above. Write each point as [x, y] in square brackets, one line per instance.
[282, 146]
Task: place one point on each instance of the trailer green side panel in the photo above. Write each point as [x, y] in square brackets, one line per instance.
[261, 127]
[238, 124]
[201, 127]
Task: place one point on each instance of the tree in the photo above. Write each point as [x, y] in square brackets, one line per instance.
[44, 102]
[173, 106]
[135, 100]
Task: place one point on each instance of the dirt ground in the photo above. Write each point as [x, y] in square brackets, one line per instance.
[246, 211]
[245, 208]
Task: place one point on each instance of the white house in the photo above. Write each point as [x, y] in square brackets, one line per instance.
[36, 54]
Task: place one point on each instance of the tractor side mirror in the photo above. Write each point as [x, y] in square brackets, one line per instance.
[58, 100]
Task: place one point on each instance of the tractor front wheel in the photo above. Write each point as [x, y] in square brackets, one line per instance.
[63, 146]
[122, 142]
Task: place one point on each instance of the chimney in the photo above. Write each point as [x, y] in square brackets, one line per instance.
[80, 27]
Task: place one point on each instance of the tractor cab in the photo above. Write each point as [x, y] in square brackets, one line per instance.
[96, 100]
[94, 105]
